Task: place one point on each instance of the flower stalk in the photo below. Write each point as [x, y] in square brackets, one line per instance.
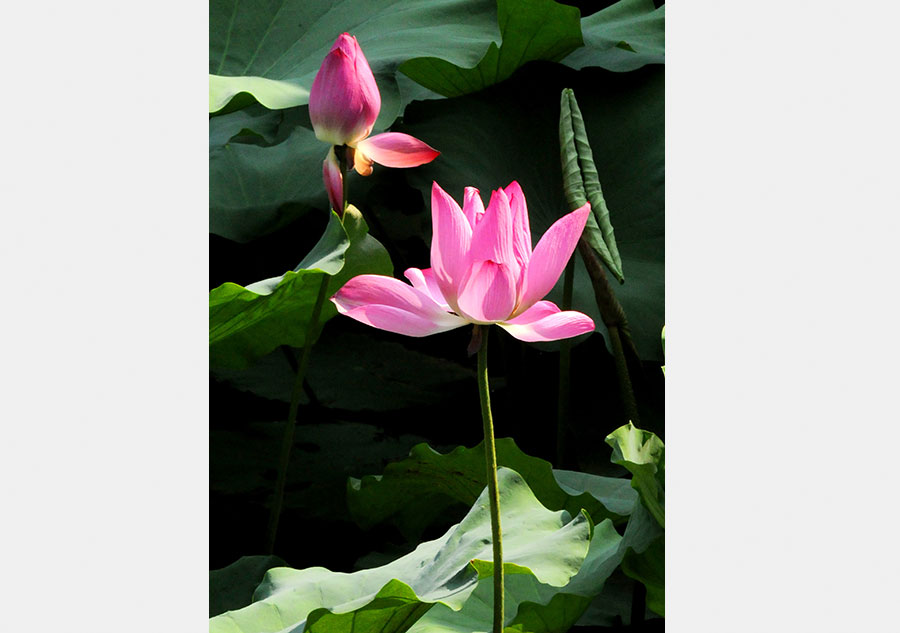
[343, 154]
[565, 362]
[484, 270]
[490, 460]
[287, 441]
[613, 317]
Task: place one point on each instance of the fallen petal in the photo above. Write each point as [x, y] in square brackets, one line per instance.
[394, 149]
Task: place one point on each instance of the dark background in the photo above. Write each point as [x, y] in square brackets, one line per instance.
[371, 395]
[357, 433]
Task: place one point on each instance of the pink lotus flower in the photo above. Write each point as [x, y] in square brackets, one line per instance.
[483, 271]
[343, 105]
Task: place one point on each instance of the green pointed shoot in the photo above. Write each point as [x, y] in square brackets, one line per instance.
[582, 183]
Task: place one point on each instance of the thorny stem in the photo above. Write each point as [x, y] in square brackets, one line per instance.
[490, 459]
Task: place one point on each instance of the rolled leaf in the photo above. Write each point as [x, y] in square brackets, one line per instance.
[585, 183]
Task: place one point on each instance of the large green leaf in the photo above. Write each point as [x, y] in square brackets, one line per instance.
[531, 29]
[232, 587]
[610, 491]
[532, 607]
[272, 51]
[548, 546]
[623, 36]
[415, 491]
[510, 132]
[252, 41]
[612, 606]
[557, 609]
[644, 455]
[247, 323]
[649, 568]
[643, 556]
[252, 121]
[271, 93]
[256, 188]
[528, 603]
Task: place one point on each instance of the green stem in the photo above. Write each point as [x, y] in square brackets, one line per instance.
[341, 151]
[565, 363]
[287, 441]
[625, 389]
[490, 459]
[616, 324]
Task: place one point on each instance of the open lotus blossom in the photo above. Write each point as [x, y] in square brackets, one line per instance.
[483, 271]
[343, 104]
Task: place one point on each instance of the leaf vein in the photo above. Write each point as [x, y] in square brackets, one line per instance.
[228, 38]
[263, 39]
